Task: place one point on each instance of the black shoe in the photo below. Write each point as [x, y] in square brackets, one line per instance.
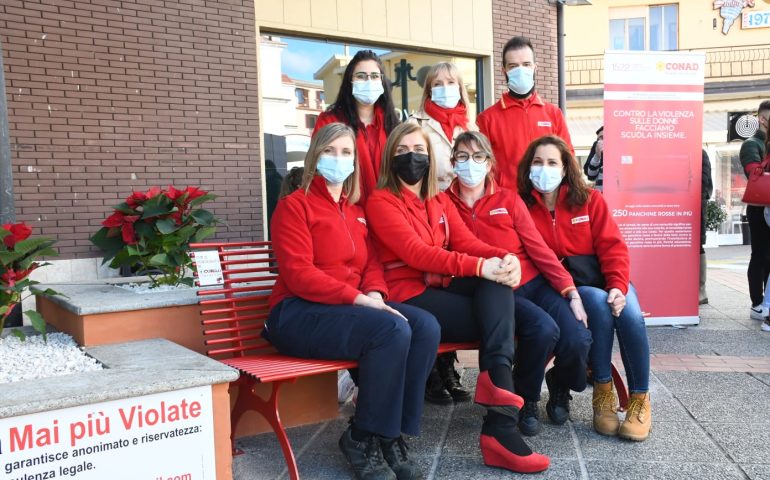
[529, 424]
[435, 392]
[396, 454]
[445, 363]
[365, 457]
[557, 407]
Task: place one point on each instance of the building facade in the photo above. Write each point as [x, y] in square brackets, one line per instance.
[737, 75]
[108, 97]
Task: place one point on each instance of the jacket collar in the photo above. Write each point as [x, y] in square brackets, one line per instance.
[490, 188]
[318, 187]
[507, 101]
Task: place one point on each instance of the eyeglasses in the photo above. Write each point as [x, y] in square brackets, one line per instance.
[363, 76]
[478, 157]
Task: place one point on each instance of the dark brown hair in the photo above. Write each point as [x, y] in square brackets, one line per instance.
[389, 180]
[579, 191]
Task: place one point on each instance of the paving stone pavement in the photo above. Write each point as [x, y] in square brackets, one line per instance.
[710, 389]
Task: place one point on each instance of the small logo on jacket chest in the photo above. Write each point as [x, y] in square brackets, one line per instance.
[581, 219]
[361, 219]
[498, 211]
[543, 123]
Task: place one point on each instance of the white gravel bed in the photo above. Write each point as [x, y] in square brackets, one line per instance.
[33, 358]
[147, 287]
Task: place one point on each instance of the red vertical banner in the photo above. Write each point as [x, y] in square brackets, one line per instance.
[653, 123]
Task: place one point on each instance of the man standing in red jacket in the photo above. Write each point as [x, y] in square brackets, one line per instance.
[521, 115]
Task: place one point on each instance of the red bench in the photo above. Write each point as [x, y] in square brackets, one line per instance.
[233, 317]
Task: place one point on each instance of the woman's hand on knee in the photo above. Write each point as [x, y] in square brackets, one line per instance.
[617, 301]
[576, 305]
[368, 301]
[506, 270]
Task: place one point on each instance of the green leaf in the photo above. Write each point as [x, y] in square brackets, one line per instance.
[203, 233]
[110, 245]
[4, 233]
[201, 199]
[3, 309]
[160, 259]
[157, 206]
[189, 281]
[166, 226]
[203, 217]
[37, 323]
[18, 334]
[7, 258]
[144, 230]
[124, 208]
[48, 292]
[30, 244]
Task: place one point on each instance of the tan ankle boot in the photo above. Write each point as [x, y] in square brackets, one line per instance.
[638, 422]
[605, 409]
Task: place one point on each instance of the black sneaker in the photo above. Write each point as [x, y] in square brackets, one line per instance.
[396, 454]
[435, 392]
[529, 424]
[365, 457]
[445, 364]
[557, 407]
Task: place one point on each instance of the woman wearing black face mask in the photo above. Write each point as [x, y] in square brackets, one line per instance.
[433, 261]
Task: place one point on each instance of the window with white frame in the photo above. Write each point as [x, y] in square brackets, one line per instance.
[644, 28]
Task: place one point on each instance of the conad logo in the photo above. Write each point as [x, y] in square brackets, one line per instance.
[677, 66]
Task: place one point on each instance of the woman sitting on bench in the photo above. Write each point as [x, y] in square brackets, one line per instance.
[549, 312]
[423, 243]
[329, 303]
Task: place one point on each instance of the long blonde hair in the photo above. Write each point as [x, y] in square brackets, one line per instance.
[322, 138]
[389, 180]
[453, 72]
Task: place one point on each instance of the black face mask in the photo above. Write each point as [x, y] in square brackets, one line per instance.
[411, 166]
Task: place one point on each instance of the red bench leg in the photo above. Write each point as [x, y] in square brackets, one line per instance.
[620, 387]
[248, 400]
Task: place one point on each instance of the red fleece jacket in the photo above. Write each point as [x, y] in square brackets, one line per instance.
[323, 249]
[501, 218]
[511, 125]
[370, 142]
[409, 235]
[586, 230]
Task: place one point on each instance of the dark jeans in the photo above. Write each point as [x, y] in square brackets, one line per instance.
[573, 338]
[472, 309]
[632, 338]
[759, 265]
[394, 356]
[537, 334]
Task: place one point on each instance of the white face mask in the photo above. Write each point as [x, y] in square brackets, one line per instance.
[335, 169]
[445, 96]
[471, 173]
[368, 92]
[521, 80]
[545, 179]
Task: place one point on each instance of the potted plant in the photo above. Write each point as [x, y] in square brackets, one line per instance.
[714, 216]
[151, 233]
[19, 257]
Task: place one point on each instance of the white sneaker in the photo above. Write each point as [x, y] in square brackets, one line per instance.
[759, 312]
[766, 325]
[345, 386]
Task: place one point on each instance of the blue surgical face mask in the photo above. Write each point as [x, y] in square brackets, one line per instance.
[545, 179]
[445, 96]
[368, 92]
[471, 173]
[335, 169]
[521, 80]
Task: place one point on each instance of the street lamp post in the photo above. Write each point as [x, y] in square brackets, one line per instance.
[403, 75]
[7, 207]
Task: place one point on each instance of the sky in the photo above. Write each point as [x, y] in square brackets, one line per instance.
[302, 58]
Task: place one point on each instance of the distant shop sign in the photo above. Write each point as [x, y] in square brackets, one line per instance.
[756, 19]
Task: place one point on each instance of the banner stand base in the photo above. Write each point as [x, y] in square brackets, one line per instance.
[672, 321]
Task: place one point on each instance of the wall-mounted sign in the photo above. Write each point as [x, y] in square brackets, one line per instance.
[756, 19]
[164, 436]
[730, 10]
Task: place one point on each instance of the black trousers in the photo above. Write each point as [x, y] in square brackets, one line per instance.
[472, 309]
[394, 356]
[759, 264]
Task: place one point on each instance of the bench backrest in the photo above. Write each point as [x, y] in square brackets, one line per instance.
[233, 314]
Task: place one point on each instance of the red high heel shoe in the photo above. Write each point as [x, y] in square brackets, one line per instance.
[488, 395]
[496, 455]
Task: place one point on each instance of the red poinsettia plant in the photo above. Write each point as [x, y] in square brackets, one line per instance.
[151, 233]
[19, 257]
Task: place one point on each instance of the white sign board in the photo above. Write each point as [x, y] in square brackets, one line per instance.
[162, 436]
[208, 266]
[756, 19]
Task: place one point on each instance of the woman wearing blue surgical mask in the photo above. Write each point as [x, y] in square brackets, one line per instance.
[547, 302]
[364, 103]
[443, 115]
[329, 302]
[575, 222]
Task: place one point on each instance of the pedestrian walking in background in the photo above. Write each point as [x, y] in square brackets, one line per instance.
[706, 189]
[594, 166]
